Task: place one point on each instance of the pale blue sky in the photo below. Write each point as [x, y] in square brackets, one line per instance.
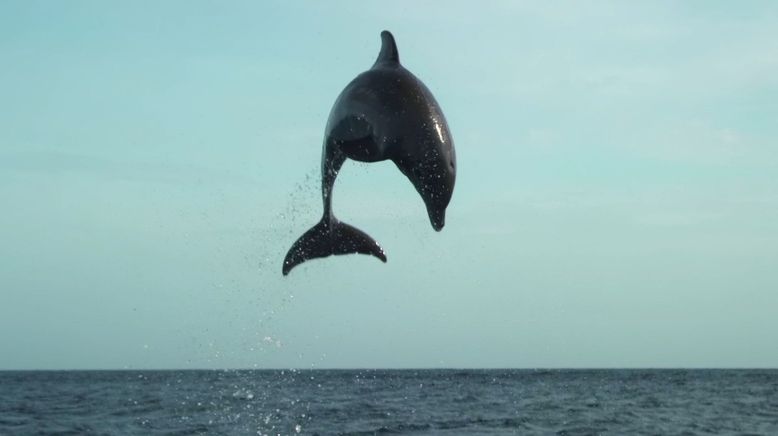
[616, 202]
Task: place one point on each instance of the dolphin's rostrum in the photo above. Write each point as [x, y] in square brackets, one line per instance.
[384, 113]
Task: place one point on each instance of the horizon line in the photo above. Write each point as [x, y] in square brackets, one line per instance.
[293, 369]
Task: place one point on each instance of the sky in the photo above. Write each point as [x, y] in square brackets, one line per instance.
[616, 201]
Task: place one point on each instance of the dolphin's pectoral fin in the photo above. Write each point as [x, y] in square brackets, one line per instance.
[362, 149]
[354, 136]
[351, 128]
[325, 239]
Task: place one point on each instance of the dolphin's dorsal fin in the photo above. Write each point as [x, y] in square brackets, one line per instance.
[389, 53]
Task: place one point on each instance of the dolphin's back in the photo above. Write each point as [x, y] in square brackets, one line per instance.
[388, 100]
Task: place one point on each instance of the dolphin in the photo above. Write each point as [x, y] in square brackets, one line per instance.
[384, 113]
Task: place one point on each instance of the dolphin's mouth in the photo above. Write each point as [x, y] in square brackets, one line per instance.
[437, 218]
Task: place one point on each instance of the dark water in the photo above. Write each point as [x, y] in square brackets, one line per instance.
[394, 402]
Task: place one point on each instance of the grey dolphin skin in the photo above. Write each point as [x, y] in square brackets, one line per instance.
[384, 113]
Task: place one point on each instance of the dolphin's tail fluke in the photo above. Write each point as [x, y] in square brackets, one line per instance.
[329, 237]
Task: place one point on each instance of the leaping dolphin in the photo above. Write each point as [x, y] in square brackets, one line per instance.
[384, 113]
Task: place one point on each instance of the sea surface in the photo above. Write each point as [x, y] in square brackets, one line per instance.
[354, 402]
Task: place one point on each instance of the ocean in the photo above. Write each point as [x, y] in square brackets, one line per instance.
[412, 402]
